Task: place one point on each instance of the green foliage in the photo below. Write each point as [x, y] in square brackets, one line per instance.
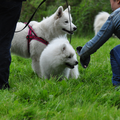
[29, 8]
[83, 12]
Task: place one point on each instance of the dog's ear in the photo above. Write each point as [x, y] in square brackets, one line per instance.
[63, 47]
[59, 12]
[66, 10]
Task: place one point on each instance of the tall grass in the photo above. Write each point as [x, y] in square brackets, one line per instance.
[90, 97]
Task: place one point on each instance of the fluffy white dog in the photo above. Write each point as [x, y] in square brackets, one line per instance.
[49, 28]
[59, 59]
[100, 19]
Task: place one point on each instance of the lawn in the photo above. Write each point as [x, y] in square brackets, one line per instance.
[90, 97]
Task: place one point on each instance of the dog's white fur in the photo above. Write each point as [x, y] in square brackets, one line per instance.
[100, 19]
[59, 59]
[49, 28]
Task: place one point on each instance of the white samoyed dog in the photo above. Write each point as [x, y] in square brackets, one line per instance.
[100, 19]
[59, 59]
[60, 23]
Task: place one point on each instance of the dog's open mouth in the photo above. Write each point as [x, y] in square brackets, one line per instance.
[70, 66]
[70, 32]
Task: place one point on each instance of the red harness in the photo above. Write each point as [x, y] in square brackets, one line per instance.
[32, 36]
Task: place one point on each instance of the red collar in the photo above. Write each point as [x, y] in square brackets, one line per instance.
[33, 36]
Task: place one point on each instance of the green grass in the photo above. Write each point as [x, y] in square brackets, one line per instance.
[90, 97]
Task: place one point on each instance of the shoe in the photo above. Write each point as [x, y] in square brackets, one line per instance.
[6, 86]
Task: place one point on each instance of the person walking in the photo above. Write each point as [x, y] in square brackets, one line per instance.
[9, 16]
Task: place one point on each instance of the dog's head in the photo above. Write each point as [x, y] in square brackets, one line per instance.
[68, 56]
[63, 20]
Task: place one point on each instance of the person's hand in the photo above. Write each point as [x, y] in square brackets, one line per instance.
[84, 62]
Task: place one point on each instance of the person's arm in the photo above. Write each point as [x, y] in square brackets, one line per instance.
[102, 36]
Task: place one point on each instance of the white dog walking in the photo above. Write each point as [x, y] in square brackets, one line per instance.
[59, 59]
[46, 30]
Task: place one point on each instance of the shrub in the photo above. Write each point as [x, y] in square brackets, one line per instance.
[83, 12]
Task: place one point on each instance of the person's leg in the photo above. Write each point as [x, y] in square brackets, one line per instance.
[9, 15]
[115, 64]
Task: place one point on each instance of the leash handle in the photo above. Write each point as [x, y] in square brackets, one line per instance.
[31, 16]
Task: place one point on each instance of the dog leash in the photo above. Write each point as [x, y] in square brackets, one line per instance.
[69, 19]
[31, 16]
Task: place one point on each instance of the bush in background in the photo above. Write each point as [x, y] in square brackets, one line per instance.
[83, 12]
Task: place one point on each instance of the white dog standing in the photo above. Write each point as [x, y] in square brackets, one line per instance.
[48, 29]
[59, 59]
[100, 19]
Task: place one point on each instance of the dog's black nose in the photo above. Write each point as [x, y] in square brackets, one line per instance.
[75, 28]
[76, 62]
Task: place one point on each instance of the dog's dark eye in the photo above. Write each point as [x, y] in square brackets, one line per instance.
[66, 21]
[69, 56]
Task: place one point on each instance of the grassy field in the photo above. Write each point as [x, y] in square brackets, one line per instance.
[90, 97]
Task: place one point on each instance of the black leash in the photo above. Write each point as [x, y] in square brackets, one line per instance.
[69, 19]
[31, 16]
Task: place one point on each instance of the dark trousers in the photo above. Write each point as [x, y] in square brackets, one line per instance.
[9, 15]
[115, 64]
